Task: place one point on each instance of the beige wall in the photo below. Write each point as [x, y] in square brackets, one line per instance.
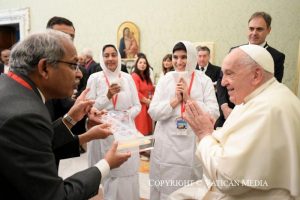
[163, 22]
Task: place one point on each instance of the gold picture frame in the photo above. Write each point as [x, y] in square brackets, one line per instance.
[128, 40]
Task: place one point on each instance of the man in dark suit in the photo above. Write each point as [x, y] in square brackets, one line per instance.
[259, 27]
[204, 65]
[28, 170]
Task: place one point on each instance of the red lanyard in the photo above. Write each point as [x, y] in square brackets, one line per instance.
[19, 80]
[189, 92]
[115, 97]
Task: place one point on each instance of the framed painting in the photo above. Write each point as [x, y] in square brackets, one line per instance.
[128, 40]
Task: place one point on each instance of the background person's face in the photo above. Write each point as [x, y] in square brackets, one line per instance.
[203, 58]
[142, 65]
[66, 29]
[168, 63]
[5, 56]
[81, 60]
[257, 31]
[179, 60]
[110, 58]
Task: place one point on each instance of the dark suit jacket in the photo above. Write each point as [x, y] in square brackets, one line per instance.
[212, 71]
[222, 94]
[57, 108]
[93, 67]
[28, 169]
[278, 58]
[1, 68]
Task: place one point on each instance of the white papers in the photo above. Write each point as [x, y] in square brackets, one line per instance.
[125, 133]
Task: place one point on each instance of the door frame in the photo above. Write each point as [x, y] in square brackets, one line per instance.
[17, 16]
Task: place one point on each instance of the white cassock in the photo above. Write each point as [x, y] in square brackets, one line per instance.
[173, 162]
[256, 155]
[122, 182]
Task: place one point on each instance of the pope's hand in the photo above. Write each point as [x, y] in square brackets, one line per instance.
[201, 122]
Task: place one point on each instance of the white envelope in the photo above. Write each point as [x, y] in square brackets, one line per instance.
[178, 75]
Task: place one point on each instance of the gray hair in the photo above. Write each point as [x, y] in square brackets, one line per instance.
[88, 52]
[26, 54]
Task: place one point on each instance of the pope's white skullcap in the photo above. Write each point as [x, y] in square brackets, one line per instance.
[260, 55]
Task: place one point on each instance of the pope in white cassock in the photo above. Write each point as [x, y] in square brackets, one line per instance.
[173, 162]
[115, 90]
[256, 154]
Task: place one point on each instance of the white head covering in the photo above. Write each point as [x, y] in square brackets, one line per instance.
[109, 73]
[260, 55]
[191, 56]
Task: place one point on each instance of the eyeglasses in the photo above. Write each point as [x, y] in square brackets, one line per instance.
[73, 66]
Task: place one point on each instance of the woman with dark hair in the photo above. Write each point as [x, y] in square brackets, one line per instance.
[173, 157]
[141, 77]
[166, 64]
[115, 91]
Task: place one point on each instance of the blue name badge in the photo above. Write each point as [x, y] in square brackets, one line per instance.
[181, 123]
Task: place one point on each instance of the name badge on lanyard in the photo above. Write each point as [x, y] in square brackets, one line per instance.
[181, 124]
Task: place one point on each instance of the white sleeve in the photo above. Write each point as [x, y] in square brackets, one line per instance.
[209, 151]
[103, 167]
[160, 108]
[98, 90]
[136, 105]
[210, 103]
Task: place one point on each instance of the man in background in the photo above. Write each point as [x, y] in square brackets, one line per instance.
[90, 65]
[203, 64]
[4, 58]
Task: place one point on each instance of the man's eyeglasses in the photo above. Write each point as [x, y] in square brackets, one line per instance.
[73, 66]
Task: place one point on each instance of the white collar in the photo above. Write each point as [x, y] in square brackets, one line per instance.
[43, 97]
[262, 44]
[259, 90]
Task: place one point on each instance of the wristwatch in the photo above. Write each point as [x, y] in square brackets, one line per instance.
[69, 119]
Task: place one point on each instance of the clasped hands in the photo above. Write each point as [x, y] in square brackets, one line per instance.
[200, 121]
[181, 93]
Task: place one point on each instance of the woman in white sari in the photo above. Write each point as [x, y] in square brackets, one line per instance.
[122, 183]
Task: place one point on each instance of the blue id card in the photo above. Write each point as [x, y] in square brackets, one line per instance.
[181, 123]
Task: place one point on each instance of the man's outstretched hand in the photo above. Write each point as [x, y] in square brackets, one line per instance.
[114, 158]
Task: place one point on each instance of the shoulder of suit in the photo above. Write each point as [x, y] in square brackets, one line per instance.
[214, 66]
[274, 51]
[235, 47]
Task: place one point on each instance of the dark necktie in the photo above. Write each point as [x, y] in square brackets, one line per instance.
[202, 68]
